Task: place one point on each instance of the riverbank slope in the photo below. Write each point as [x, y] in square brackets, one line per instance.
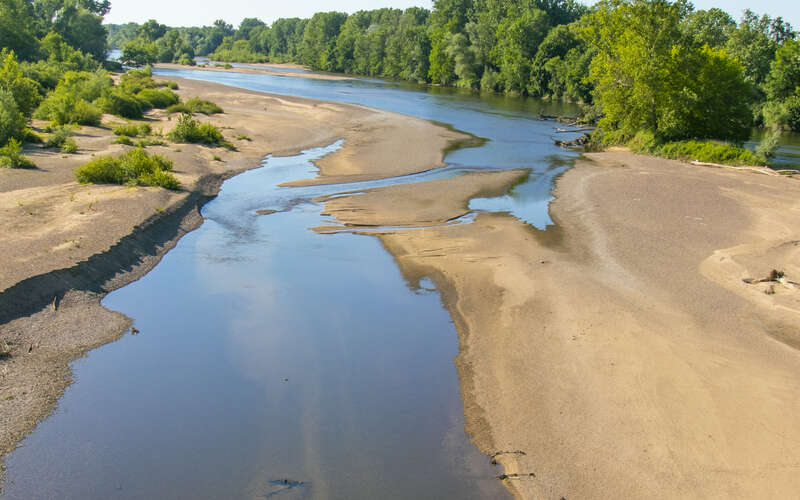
[633, 350]
[66, 245]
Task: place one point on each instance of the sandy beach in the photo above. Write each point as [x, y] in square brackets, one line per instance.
[630, 351]
[66, 245]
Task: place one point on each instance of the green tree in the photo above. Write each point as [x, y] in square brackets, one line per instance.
[151, 30]
[139, 52]
[26, 92]
[17, 28]
[711, 27]
[518, 38]
[755, 41]
[783, 79]
[318, 49]
[12, 123]
[633, 60]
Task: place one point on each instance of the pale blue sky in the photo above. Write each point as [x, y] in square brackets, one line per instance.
[204, 12]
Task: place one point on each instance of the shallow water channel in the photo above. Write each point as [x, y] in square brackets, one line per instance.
[274, 362]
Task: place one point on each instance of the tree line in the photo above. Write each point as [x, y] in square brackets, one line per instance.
[653, 65]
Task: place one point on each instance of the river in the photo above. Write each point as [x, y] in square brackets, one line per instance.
[275, 362]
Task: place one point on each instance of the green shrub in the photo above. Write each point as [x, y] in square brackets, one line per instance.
[117, 101]
[133, 168]
[136, 80]
[185, 60]
[769, 145]
[11, 156]
[58, 137]
[704, 151]
[85, 85]
[169, 84]
[32, 137]
[12, 123]
[26, 92]
[65, 108]
[191, 131]
[198, 105]
[133, 130]
[160, 99]
[195, 105]
[123, 139]
[69, 146]
[179, 108]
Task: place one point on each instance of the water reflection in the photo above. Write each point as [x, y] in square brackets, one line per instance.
[272, 362]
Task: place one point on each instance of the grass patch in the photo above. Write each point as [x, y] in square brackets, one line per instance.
[133, 130]
[189, 130]
[11, 156]
[707, 151]
[133, 168]
[169, 84]
[242, 137]
[160, 99]
[123, 139]
[195, 105]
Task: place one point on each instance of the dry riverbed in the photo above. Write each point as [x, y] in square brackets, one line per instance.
[66, 245]
[641, 348]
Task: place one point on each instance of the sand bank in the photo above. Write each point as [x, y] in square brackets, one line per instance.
[66, 245]
[263, 69]
[629, 352]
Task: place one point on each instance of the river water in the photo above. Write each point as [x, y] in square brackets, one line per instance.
[275, 362]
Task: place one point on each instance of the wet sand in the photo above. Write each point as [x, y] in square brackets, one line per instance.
[629, 352]
[66, 245]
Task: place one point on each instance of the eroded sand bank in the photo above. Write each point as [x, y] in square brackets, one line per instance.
[622, 354]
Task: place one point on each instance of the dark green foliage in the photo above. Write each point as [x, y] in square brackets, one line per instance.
[237, 51]
[153, 98]
[123, 139]
[755, 41]
[704, 151]
[181, 107]
[117, 101]
[18, 29]
[189, 130]
[319, 40]
[133, 130]
[70, 102]
[136, 80]
[139, 52]
[173, 47]
[11, 156]
[711, 27]
[647, 80]
[195, 105]
[60, 137]
[134, 168]
[65, 109]
[27, 93]
[783, 80]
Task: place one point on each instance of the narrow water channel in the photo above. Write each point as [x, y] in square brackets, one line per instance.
[271, 362]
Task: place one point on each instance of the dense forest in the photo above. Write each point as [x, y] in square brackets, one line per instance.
[699, 75]
[648, 72]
